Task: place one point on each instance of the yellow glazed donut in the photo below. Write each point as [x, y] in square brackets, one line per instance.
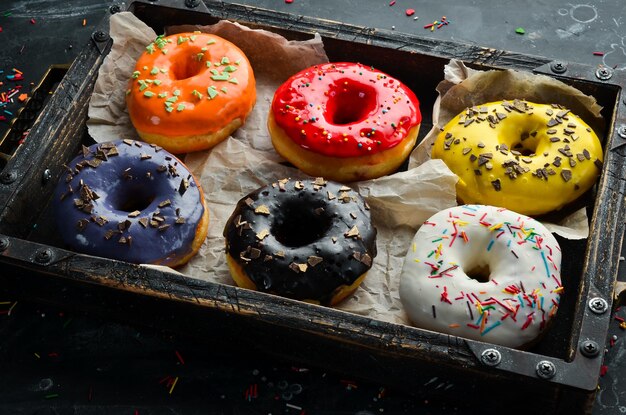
[527, 157]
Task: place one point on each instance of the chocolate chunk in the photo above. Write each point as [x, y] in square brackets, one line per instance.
[566, 175]
[496, 185]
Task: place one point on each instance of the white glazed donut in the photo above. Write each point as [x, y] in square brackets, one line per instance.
[515, 264]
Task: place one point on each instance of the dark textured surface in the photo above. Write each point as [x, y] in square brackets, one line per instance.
[131, 375]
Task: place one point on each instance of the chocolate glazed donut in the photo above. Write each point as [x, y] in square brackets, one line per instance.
[307, 240]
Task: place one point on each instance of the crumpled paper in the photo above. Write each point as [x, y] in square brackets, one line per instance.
[245, 161]
[464, 87]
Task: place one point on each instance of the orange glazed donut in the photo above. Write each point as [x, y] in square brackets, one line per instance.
[344, 121]
[190, 91]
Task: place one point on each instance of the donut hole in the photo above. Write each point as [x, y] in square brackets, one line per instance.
[526, 145]
[480, 273]
[351, 103]
[132, 198]
[301, 224]
[187, 66]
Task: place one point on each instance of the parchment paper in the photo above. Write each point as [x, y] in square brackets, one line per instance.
[247, 160]
[464, 87]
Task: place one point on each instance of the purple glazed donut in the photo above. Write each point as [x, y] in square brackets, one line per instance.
[131, 201]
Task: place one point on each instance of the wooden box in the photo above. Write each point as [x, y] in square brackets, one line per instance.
[559, 374]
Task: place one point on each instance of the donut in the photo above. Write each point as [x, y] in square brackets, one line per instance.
[344, 121]
[190, 91]
[133, 202]
[484, 273]
[527, 157]
[309, 240]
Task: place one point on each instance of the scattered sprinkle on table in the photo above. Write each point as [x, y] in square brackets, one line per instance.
[410, 12]
[520, 31]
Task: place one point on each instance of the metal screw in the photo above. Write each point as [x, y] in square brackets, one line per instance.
[589, 348]
[100, 36]
[192, 3]
[46, 176]
[545, 369]
[8, 177]
[621, 131]
[43, 256]
[4, 243]
[558, 67]
[598, 305]
[115, 9]
[491, 357]
[603, 73]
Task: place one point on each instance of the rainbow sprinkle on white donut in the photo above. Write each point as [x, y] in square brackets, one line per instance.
[516, 264]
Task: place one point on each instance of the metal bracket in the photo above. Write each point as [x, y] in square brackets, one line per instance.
[20, 250]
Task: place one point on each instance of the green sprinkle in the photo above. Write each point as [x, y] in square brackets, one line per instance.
[154, 71]
[136, 74]
[234, 81]
[162, 95]
[220, 77]
[169, 109]
[204, 49]
[148, 94]
[210, 42]
[208, 64]
[200, 56]
[150, 48]
[215, 72]
[238, 61]
[225, 60]
[164, 51]
[142, 85]
[145, 68]
[230, 68]
[212, 92]
[128, 92]
[216, 63]
[224, 90]
[163, 70]
[180, 107]
[182, 39]
[171, 99]
[520, 31]
[177, 92]
[196, 32]
[196, 94]
[157, 82]
[52, 395]
[67, 322]
[192, 38]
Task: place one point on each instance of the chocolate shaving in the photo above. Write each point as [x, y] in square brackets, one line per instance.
[161, 168]
[366, 259]
[331, 196]
[145, 156]
[496, 185]
[566, 175]
[143, 222]
[261, 235]
[82, 224]
[255, 253]
[314, 260]
[134, 214]
[184, 185]
[165, 203]
[128, 141]
[319, 181]
[298, 185]
[586, 154]
[262, 210]
[352, 233]
[297, 268]
[179, 220]
[249, 202]
[163, 227]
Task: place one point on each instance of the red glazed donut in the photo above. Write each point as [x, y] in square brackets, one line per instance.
[190, 91]
[344, 121]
